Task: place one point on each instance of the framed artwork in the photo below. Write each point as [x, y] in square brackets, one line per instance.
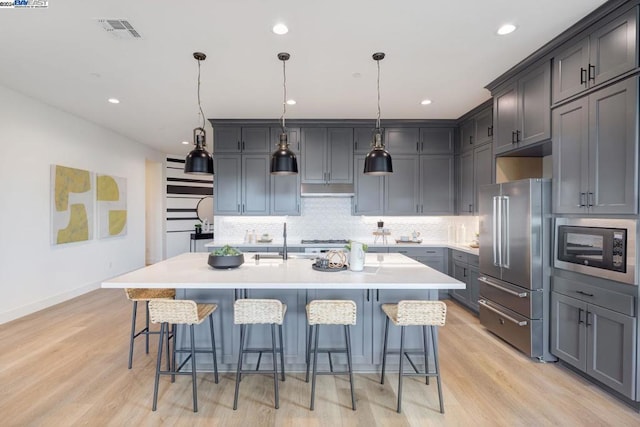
[111, 206]
[72, 200]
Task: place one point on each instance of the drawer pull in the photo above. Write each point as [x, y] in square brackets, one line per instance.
[584, 293]
[503, 289]
[509, 318]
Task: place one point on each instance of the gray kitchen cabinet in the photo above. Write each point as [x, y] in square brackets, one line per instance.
[293, 137]
[362, 139]
[327, 155]
[467, 134]
[368, 189]
[236, 139]
[595, 152]
[522, 113]
[255, 184]
[483, 127]
[227, 184]
[332, 336]
[402, 140]
[466, 189]
[608, 51]
[401, 189]
[285, 195]
[437, 140]
[436, 184]
[482, 170]
[596, 340]
[464, 267]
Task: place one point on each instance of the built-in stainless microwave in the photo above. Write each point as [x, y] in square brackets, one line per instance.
[598, 247]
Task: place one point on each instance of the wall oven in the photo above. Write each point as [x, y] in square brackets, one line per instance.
[598, 247]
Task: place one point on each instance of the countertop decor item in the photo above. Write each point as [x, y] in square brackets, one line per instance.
[226, 257]
[199, 161]
[409, 241]
[283, 160]
[378, 161]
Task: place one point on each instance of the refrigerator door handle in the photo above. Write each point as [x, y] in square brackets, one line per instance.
[486, 281]
[495, 228]
[504, 244]
[499, 313]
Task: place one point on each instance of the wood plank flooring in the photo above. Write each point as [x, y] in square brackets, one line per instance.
[67, 366]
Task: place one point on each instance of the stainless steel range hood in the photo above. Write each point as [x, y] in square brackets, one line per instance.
[326, 190]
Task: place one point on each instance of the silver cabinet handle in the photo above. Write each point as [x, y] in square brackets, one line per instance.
[590, 199]
[504, 245]
[503, 289]
[582, 204]
[509, 318]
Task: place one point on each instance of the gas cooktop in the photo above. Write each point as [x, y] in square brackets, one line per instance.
[328, 241]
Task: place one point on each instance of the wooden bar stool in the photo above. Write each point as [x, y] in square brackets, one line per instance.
[259, 311]
[330, 312]
[427, 314]
[144, 295]
[181, 312]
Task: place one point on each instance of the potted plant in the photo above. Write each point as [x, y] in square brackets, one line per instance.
[198, 228]
[226, 257]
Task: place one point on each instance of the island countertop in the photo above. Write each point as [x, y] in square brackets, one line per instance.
[191, 271]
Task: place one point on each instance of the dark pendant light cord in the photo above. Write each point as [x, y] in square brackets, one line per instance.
[199, 58]
[284, 57]
[378, 119]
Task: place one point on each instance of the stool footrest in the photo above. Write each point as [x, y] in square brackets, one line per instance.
[333, 373]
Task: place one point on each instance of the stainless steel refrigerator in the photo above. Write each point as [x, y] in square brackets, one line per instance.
[515, 249]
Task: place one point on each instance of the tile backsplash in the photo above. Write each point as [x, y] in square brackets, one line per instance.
[330, 218]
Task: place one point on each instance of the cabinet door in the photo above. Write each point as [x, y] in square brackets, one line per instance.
[369, 190]
[285, 194]
[402, 140]
[340, 155]
[614, 48]
[227, 184]
[465, 201]
[436, 185]
[293, 137]
[461, 273]
[362, 138]
[611, 349]
[401, 188]
[613, 149]
[227, 139]
[314, 155]
[505, 108]
[482, 170]
[255, 140]
[436, 140]
[534, 103]
[570, 68]
[484, 127]
[473, 290]
[467, 134]
[568, 332]
[255, 184]
[332, 336]
[570, 156]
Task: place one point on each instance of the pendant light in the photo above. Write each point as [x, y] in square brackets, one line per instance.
[199, 161]
[378, 161]
[283, 160]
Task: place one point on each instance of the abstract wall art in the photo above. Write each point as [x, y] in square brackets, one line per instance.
[72, 200]
[111, 206]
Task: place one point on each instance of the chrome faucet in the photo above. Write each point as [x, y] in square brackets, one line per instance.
[284, 246]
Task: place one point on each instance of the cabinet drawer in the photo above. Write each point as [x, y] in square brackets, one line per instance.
[615, 301]
[460, 257]
[420, 252]
[474, 260]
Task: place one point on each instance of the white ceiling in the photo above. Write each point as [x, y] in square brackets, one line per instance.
[446, 51]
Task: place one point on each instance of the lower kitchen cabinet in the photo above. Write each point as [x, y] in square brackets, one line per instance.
[464, 267]
[596, 340]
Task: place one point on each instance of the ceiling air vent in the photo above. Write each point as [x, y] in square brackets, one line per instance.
[119, 28]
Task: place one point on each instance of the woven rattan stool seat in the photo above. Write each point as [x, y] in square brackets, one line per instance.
[178, 312]
[252, 311]
[405, 313]
[331, 312]
[143, 294]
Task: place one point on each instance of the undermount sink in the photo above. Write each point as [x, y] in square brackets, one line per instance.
[290, 256]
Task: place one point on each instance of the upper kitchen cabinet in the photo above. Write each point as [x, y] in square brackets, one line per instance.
[476, 130]
[362, 139]
[368, 189]
[522, 114]
[293, 135]
[608, 51]
[425, 140]
[227, 184]
[402, 140]
[402, 187]
[436, 140]
[595, 152]
[437, 193]
[467, 134]
[327, 155]
[236, 139]
[285, 195]
[475, 170]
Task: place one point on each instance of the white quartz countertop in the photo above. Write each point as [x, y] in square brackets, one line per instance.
[191, 271]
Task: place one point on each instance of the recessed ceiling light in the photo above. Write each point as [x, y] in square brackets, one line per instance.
[114, 100]
[291, 102]
[506, 29]
[425, 102]
[185, 142]
[280, 29]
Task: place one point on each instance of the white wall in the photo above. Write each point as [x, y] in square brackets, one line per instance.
[33, 273]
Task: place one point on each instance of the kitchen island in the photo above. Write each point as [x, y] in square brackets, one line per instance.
[386, 278]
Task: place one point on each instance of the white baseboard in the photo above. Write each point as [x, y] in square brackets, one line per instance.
[25, 310]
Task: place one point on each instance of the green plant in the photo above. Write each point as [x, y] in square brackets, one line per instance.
[226, 250]
[365, 247]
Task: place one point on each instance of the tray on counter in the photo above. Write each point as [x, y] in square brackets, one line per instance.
[409, 241]
[264, 241]
[328, 269]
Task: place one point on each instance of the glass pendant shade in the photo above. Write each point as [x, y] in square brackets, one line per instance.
[378, 161]
[199, 161]
[283, 160]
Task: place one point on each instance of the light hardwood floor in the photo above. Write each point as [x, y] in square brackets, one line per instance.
[67, 365]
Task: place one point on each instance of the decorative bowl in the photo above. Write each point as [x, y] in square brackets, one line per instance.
[226, 261]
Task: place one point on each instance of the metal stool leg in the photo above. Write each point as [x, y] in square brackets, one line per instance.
[401, 369]
[146, 324]
[158, 362]
[308, 358]
[315, 368]
[213, 349]
[133, 331]
[275, 363]
[193, 369]
[235, 399]
[426, 353]
[347, 335]
[435, 359]
[174, 330]
[384, 350]
[281, 351]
